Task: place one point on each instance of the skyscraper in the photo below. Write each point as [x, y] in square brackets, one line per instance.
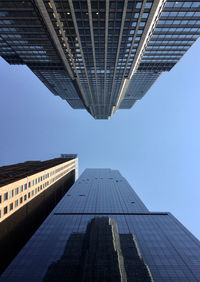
[101, 231]
[98, 55]
[28, 193]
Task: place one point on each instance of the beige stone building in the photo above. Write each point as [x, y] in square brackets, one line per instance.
[28, 193]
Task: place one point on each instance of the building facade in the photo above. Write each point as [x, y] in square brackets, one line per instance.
[28, 193]
[98, 55]
[102, 231]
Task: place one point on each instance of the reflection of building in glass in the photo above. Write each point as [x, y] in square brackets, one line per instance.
[100, 254]
[28, 192]
[98, 55]
[102, 212]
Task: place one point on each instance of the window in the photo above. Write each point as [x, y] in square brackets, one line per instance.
[11, 193]
[16, 191]
[0, 199]
[5, 210]
[148, 5]
[32, 182]
[21, 200]
[25, 197]
[21, 188]
[36, 181]
[138, 5]
[5, 196]
[29, 184]
[11, 206]
[16, 203]
[29, 194]
[145, 15]
[25, 186]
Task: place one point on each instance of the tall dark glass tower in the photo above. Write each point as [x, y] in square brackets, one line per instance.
[101, 231]
[95, 54]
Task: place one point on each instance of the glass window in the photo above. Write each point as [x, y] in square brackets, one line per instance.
[145, 15]
[25, 186]
[5, 210]
[136, 15]
[5, 196]
[11, 193]
[21, 188]
[139, 5]
[187, 4]
[16, 203]
[148, 5]
[11, 206]
[16, 191]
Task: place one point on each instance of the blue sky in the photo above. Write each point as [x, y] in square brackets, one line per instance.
[155, 145]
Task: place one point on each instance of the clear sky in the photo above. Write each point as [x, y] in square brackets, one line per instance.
[155, 145]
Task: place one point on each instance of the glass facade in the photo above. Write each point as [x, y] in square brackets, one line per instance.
[84, 51]
[161, 246]
[139, 85]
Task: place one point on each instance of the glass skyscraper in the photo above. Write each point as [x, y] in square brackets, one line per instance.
[102, 231]
[98, 55]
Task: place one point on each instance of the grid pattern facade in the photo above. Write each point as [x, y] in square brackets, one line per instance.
[176, 31]
[89, 52]
[139, 85]
[170, 251]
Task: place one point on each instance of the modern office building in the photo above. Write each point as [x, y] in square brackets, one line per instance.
[98, 55]
[28, 193]
[102, 231]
